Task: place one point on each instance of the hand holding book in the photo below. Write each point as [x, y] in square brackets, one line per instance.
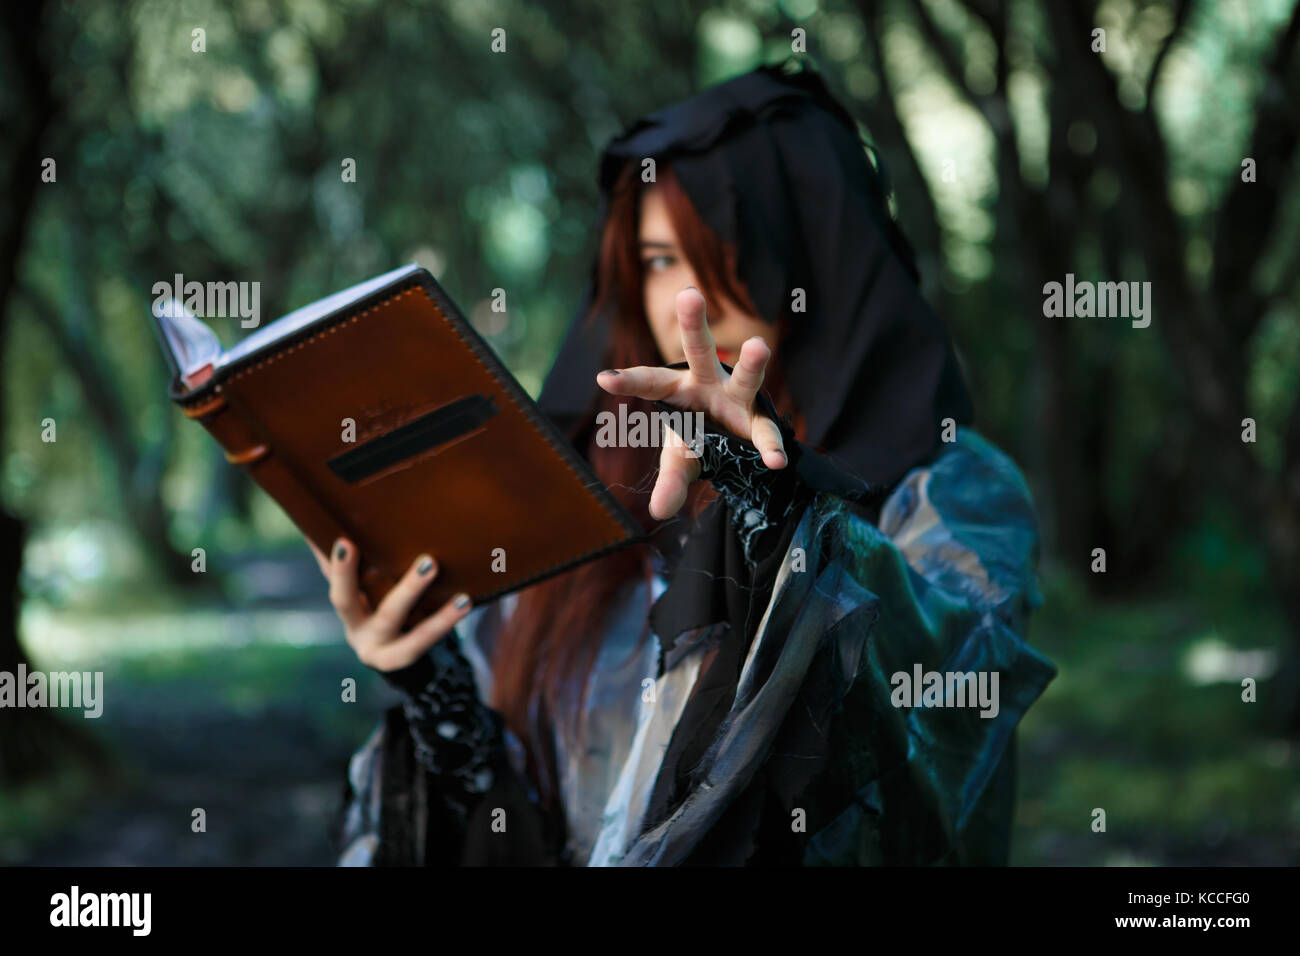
[376, 635]
[380, 416]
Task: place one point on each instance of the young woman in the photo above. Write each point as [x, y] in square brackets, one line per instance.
[820, 656]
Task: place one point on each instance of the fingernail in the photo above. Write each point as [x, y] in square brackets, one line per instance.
[340, 550]
[609, 371]
[461, 602]
[425, 565]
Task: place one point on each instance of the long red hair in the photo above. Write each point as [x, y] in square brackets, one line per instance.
[554, 635]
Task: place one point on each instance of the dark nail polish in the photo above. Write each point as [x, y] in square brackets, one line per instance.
[609, 371]
[461, 602]
[340, 551]
[425, 565]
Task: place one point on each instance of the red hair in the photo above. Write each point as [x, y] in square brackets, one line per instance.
[556, 630]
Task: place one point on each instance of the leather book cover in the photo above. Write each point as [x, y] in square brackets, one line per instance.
[389, 421]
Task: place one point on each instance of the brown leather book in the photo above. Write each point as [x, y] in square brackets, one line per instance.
[379, 414]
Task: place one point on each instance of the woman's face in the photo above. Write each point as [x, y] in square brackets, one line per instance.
[667, 273]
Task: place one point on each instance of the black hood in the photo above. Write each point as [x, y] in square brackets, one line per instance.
[772, 162]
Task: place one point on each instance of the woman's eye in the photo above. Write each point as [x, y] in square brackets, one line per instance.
[653, 263]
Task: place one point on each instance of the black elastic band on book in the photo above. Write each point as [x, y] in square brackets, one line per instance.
[428, 431]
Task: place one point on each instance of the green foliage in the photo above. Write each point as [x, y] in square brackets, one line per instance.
[226, 165]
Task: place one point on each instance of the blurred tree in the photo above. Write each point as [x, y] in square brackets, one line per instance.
[32, 741]
[1208, 328]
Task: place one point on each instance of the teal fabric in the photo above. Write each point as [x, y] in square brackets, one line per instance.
[944, 580]
[949, 578]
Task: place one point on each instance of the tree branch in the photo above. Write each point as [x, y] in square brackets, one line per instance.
[891, 137]
[992, 106]
[1181, 9]
[1247, 217]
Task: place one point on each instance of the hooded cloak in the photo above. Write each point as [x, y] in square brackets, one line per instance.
[774, 164]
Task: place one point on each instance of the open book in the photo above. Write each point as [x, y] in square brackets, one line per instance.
[379, 414]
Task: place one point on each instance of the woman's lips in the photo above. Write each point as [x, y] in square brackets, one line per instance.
[726, 356]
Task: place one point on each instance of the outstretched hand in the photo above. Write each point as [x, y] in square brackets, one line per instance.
[704, 387]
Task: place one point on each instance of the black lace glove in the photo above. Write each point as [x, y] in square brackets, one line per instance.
[758, 498]
[457, 737]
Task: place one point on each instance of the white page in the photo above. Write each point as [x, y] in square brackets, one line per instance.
[192, 343]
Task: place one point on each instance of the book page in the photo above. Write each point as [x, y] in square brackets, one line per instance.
[192, 344]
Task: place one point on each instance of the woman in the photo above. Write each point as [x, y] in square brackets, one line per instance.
[741, 690]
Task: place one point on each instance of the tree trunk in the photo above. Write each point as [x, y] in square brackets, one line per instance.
[33, 742]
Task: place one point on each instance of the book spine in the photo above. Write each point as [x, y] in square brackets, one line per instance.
[269, 471]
